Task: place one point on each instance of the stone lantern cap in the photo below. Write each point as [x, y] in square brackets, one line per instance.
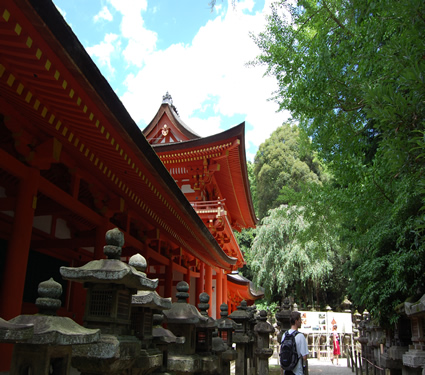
[203, 307]
[150, 299]
[263, 326]
[240, 315]
[12, 333]
[113, 270]
[51, 329]
[415, 308]
[225, 323]
[181, 312]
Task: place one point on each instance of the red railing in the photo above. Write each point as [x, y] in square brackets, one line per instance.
[209, 207]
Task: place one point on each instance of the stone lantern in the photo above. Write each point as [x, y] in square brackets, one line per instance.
[207, 340]
[50, 346]
[366, 315]
[283, 316]
[182, 320]
[346, 305]
[241, 337]
[204, 330]
[356, 320]
[263, 352]
[110, 285]
[414, 358]
[252, 358]
[143, 306]
[226, 327]
[13, 333]
[241, 317]
[397, 345]
[162, 338]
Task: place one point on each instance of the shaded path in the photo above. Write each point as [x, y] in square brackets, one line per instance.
[316, 367]
[326, 367]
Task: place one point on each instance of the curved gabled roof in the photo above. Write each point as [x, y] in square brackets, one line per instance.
[243, 287]
[228, 148]
[167, 111]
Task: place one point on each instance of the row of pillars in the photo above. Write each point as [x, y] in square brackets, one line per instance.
[12, 287]
[204, 283]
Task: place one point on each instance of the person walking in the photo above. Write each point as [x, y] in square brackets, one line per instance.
[301, 345]
[336, 345]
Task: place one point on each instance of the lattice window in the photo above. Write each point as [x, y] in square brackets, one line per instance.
[147, 323]
[101, 303]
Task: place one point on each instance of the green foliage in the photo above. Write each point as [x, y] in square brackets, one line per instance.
[281, 258]
[270, 307]
[282, 162]
[353, 74]
[245, 240]
[252, 184]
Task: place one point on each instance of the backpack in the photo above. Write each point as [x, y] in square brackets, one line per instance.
[288, 351]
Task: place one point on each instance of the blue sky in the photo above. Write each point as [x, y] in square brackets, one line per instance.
[145, 48]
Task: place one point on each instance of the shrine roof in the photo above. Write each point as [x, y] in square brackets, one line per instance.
[244, 287]
[228, 149]
[168, 110]
[51, 86]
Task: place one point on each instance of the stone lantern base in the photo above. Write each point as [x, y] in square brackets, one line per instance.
[26, 360]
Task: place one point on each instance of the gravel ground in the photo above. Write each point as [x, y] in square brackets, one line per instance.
[326, 367]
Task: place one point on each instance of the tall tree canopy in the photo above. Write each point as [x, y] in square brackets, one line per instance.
[286, 257]
[282, 162]
[283, 261]
[352, 73]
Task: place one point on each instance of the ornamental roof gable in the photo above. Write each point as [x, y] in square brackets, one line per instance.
[167, 127]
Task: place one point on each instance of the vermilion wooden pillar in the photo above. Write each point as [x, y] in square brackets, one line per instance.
[12, 287]
[200, 282]
[224, 299]
[219, 292]
[208, 281]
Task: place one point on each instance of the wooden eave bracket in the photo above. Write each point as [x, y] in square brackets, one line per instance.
[45, 154]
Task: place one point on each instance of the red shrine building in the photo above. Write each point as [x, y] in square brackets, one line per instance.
[74, 164]
[211, 172]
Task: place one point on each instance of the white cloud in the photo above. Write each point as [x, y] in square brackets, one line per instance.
[213, 65]
[210, 72]
[246, 4]
[140, 41]
[105, 50]
[104, 14]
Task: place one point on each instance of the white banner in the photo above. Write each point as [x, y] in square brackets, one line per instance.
[324, 322]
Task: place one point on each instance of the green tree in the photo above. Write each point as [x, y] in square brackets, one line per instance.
[252, 184]
[352, 74]
[286, 263]
[282, 162]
